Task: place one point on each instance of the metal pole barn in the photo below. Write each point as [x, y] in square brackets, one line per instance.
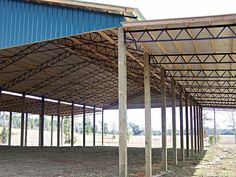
[163, 119]
[187, 124]
[173, 102]
[22, 119]
[148, 124]
[10, 127]
[58, 123]
[181, 124]
[122, 87]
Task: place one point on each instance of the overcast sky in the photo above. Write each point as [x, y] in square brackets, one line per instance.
[161, 9]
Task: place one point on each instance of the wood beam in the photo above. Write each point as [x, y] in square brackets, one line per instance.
[163, 118]
[148, 124]
[173, 105]
[122, 85]
[181, 123]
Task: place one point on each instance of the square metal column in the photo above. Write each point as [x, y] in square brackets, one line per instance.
[122, 91]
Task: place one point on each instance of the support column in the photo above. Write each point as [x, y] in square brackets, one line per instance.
[199, 131]
[215, 131]
[173, 104]
[84, 141]
[94, 125]
[102, 126]
[122, 87]
[62, 130]
[22, 120]
[195, 129]
[148, 124]
[191, 126]
[10, 126]
[26, 128]
[58, 123]
[202, 129]
[187, 126]
[52, 130]
[163, 119]
[181, 123]
[41, 124]
[72, 124]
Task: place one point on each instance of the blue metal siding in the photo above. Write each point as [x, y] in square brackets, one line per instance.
[23, 22]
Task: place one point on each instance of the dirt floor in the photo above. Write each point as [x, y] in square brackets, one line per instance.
[103, 162]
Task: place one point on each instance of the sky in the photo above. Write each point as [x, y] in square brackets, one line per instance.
[162, 9]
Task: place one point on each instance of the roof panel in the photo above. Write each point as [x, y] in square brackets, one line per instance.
[25, 22]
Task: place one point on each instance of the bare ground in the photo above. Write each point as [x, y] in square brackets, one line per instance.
[103, 162]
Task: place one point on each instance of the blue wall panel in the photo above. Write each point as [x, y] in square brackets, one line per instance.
[23, 22]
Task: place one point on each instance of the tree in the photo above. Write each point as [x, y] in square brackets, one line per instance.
[232, 123]
[136, 130]
[67, 123]
[3, 134]
[88, 126]
[105, 128]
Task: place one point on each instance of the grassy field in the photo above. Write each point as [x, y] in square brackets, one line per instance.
[109, 140]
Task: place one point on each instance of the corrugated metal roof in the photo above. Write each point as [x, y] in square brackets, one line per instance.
[125, 11]
[24, 22]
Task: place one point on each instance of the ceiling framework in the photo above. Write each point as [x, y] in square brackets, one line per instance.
[199, 53]
[81, 69]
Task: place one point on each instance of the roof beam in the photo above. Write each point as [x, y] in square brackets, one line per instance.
[166, 35]
[193, 58]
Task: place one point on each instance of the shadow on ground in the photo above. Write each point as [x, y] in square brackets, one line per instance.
[186, 168]
[85, 162]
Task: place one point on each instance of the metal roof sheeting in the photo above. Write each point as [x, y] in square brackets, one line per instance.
[24, 22]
